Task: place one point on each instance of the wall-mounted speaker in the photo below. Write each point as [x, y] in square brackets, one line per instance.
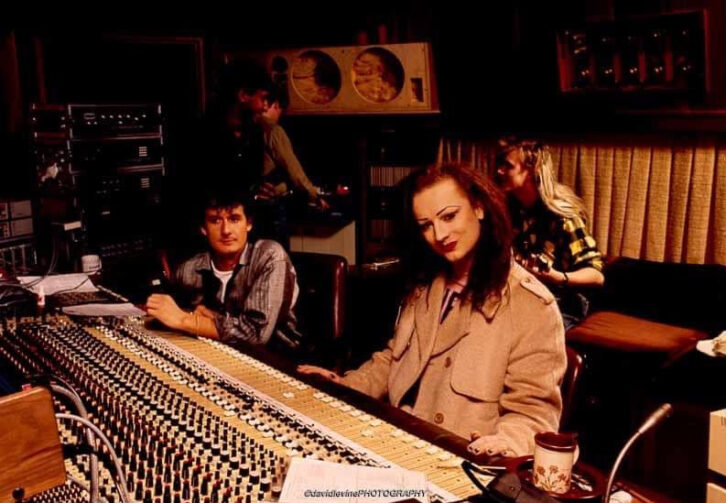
[374, 79]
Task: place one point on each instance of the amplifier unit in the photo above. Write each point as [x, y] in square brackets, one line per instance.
[122, 155]
[374, 79]
[16, 219]
[93, 121]
[79, 121]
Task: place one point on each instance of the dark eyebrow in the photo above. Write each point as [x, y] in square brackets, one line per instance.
[440, 211]
[446, 208]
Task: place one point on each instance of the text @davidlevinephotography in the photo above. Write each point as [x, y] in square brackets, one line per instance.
[365, 493]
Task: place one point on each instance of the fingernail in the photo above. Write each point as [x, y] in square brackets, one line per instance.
[490, 451]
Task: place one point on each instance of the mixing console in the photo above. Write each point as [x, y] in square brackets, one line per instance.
[193, 420]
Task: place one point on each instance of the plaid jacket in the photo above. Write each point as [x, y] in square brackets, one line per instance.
[559, 242]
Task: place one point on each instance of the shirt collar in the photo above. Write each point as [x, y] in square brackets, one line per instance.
[491, 304]
[244, 259]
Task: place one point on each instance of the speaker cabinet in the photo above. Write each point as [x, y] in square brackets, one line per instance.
[374, 79]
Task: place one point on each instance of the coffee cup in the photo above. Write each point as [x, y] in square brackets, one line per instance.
[554, 456]
[91, 265]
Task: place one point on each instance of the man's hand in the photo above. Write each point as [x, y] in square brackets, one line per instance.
[549, 277]
[322, 204]
[163, 308]
[266, 192]
[319, 371]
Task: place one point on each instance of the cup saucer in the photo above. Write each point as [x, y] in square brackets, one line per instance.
[583, 476]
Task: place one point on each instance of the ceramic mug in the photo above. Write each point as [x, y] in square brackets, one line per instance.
[554, 455]
[90, 264]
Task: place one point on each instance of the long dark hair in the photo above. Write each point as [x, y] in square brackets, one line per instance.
[492, 255]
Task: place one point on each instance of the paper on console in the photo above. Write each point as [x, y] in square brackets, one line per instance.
[314, 481]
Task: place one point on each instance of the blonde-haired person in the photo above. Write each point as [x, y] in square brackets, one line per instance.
[551, 237]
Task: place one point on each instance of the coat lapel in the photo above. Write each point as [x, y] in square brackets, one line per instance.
[426, 318]
[431, 338]
[426, 311]
[455, 326]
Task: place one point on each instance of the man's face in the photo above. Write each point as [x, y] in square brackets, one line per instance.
[512, 174]
[255, 102]
[226, 229]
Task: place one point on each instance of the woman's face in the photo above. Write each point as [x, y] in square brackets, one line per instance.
[448, 221]
[512, 174]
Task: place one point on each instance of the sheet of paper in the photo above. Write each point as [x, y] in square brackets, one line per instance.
[314, 481]
[74, 282]
[124, 309]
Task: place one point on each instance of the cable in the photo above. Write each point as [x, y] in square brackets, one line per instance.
[469, 468]
[79, 483]
[28, 286]
[25, 287]
[73, 396]
[121, 482]
[69, 392]
[73, 288]
[51, 265]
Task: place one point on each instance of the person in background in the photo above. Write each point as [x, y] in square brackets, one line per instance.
[281, 172]
[236, 291]
[229, 146]
[279, 155]
[551, 238]
[478, 347]
[236, 140]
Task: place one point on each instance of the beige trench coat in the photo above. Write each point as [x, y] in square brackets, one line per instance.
[496, 370]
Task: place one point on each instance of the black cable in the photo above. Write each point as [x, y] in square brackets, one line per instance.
[469, 468]
[28, 286]
[51, 265]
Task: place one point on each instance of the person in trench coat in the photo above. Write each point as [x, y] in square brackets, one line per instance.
[478, 347]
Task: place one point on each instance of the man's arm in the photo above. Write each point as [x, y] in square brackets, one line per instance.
[284, 155]
[165, 309]
[256, 322]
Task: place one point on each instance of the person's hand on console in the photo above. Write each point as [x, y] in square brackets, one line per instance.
[163, 308]
[319, 371]
[491, 445]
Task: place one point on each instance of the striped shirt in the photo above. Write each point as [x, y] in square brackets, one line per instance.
[257, 305]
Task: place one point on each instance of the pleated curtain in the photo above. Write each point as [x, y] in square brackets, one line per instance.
[651, 197]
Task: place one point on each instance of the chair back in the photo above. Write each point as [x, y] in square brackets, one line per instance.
[568, 387]
[321, 304]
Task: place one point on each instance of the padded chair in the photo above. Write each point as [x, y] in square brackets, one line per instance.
[321, 304]
[569, 385]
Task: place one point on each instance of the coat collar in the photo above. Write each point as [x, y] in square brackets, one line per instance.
[492, 304]
[435, 337]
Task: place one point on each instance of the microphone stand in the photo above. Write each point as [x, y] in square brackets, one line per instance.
[656, 417]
